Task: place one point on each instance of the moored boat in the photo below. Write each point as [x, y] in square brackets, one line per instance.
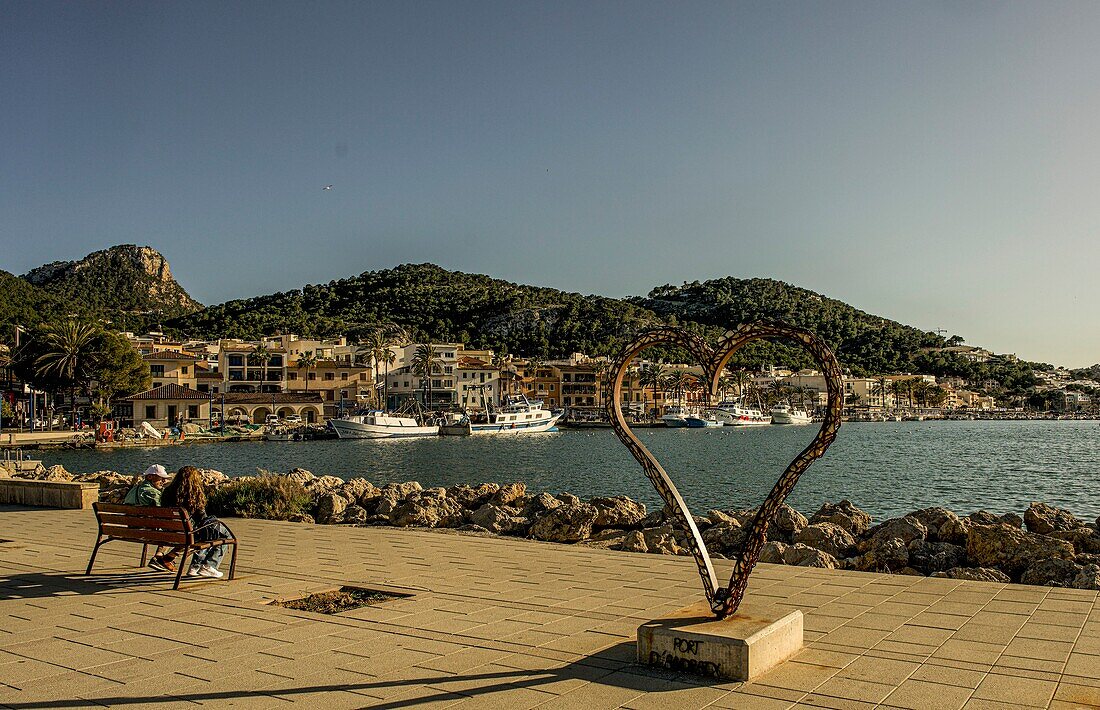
[783, 414]
[675, 417]
[734, 413]
[701, 422]
[381, 425]
[518, 415]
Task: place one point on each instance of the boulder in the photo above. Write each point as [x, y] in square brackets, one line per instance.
[300, 475]
[664, 540]
[428, 509]
[324, 484]
[1043, 519]
[1012, 550]
[885, 554]
[1051, 573]
[772, 552]
[566, 523]
[390, 496]
[831, 538]
[355, 515]
[725, 538]
[212, 478]
[500, 520]
[1085, 540]
[301, 518]
[53, 473]
[845, 515]
[1012, 519]
[974, 574]
[933, 519]
[929, 557]
[509, 494]
[568, 499]
[329, 507]
[805, 556]
[953, 530]
[906, 529]
[634, 541]
[618, 512]
[472, 497]
[540, 504]
[983, 517]
[359, 489]
[1087, 578]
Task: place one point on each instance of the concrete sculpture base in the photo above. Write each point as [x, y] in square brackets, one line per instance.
[740, 647]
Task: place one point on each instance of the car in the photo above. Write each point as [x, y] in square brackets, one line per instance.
[292, 419]
[272, 419]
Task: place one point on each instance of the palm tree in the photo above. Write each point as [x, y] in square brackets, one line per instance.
[896, 388]
[678, 381]
[653, 375]
[424, 363]
[308, 361]
[776, 391]
[741, 379]
[261, 354]
[69, 349]
[879, 389]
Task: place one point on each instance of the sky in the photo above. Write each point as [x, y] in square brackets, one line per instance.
[936, 163]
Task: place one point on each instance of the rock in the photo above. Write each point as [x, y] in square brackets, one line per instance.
[954, 530]
[324, 484]
[906, 529]
[1012, 519]
[610, 539]
[329, 507]
[359, 489]
[806, 556]
[933, 519]
[772, 552]
[428, 509]
[885, 554]
[53, 473]
[1087, 578]
[391, 495]
[1085, 540]
[789, 522]
[664, 540]
[975, 574]
[212, 478]
[929, 557]
[300, 475]
[509, 494]
[655, 519]
[540, 504]
[500, 520]
[983, 517]
[355, 515]
[1042, 518]
[301, 518]
[827, 537]
[634, 541]
[717, 517]
[725, 538]
[568, 499]
[618, 512]
[1051, 573]
[470, 527]
[1012, 550]
[566, 523]
[845, 515]
[471, 497]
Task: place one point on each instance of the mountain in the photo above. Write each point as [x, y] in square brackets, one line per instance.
[117, 283]
[433, 303]
[22, 303]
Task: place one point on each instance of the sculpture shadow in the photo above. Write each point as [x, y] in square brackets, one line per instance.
[42, 585]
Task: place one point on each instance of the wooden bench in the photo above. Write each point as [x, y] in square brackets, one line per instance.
[150, 525]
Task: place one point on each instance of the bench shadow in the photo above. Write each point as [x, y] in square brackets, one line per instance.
[41, 585]
[612, 666]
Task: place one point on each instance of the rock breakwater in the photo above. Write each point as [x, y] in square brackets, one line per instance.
[1044, 546]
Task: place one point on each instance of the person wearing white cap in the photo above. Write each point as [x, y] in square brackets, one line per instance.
[147, 492]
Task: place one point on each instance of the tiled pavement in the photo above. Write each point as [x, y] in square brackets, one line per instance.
[499, 623]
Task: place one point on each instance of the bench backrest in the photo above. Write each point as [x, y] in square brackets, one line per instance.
[141, 523]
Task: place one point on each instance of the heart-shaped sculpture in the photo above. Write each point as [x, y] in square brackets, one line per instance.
[725, 600]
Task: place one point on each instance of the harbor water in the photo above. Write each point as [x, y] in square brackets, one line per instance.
[884, 468]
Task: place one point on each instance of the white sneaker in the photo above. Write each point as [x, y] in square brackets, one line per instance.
[194, 571]
[206, 571]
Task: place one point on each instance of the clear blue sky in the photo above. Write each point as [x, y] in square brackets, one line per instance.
[937, 163]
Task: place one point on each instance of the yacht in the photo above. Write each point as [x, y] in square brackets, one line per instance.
[675, 416]
[380, 425]
[698, 421]
[783, 414]
[732, 412]
[517, 415]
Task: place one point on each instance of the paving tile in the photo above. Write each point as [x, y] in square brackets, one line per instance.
[922, 695]
[1016, 690]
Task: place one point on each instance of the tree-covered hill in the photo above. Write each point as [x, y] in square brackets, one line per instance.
[863, 342]
[25, 304]
[118, 284]
[431, 302]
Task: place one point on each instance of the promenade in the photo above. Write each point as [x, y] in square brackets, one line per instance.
[499, 623]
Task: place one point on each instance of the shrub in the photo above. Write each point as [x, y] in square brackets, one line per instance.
[267, 497]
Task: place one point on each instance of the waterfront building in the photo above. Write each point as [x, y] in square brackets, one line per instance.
[165, 406]
[342, 386]
[172, 367]
[477, 382]
[243, 372]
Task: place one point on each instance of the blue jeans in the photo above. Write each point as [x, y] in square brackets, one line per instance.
[211, 556]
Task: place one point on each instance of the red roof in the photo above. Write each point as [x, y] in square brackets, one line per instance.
[170, 391]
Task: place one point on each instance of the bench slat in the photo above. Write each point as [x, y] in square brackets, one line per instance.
[121, 532]
[141, 510]
[145, 523]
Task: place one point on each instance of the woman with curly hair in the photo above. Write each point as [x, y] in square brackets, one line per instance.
[186, 491]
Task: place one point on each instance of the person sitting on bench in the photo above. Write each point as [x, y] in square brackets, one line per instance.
[148, 491]
[186, 491]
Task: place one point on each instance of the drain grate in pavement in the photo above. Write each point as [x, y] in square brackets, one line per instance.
[337, 601]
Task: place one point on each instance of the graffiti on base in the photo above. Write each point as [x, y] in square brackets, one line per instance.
[672, 662]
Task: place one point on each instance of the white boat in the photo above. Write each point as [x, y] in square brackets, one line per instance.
[782, 414]
[733, 413]
[696, 421]
[675, 416]
[380, 425]
[518, 415]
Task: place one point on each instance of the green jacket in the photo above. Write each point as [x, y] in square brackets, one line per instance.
[144, 493]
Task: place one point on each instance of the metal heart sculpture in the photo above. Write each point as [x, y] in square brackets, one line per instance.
[725, 600]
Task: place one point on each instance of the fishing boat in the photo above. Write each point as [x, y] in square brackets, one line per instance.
[733, 412]
[783, 414]
[676, 416]
[517, 415]
[695, 421]
[381, 425]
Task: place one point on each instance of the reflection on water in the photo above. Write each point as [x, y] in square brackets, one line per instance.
[886, 469]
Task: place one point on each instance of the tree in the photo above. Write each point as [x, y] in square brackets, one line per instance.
[117, 370]
[425, 363]
[896, 388]
[307, 361]
[677, 381]
[653, 376]
[741, 379]
[261, 355]
[69, 348]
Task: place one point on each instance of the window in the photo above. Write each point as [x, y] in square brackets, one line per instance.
[343, 375]
[329, 376]
[362, 376]
[192, 411]
[312, 376]
[183, 369]
[292, 376]
[150, 411]
[237, 360]
[204, 388]
[156, 370]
